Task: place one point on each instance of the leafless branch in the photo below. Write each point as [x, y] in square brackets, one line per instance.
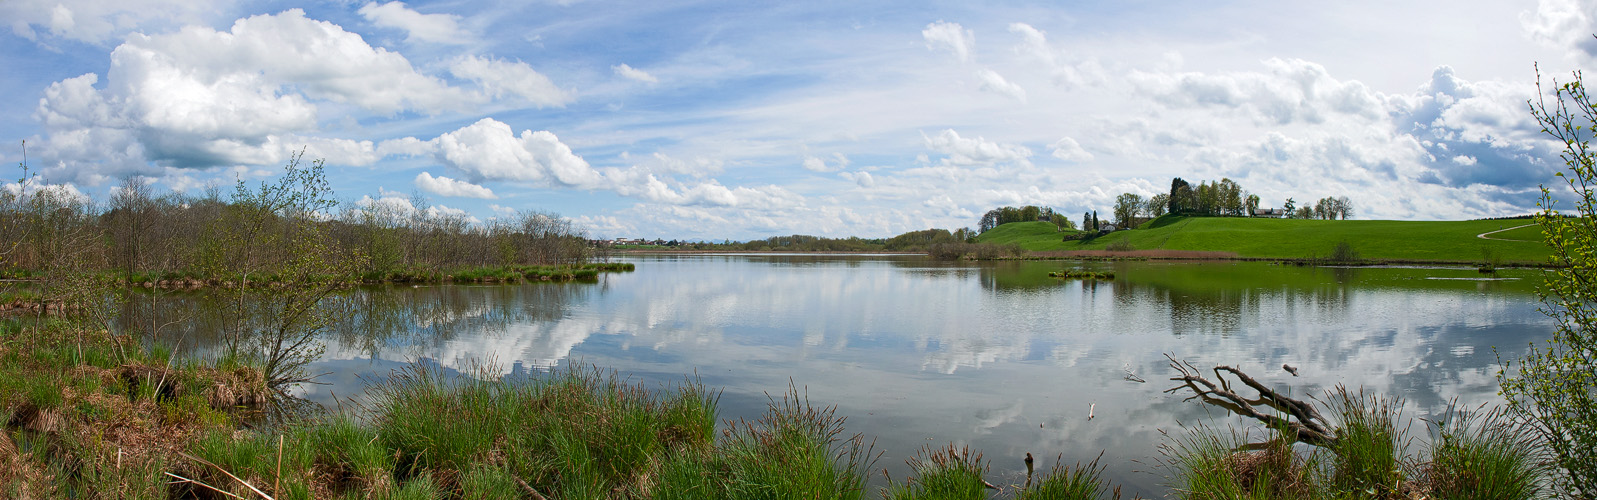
[1298, 418]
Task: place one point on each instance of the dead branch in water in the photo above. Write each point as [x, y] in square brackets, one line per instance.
[1302, 421]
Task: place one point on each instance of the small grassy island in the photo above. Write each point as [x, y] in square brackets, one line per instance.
[1085, 275]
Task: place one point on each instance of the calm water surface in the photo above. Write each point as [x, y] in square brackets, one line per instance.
[996, 356]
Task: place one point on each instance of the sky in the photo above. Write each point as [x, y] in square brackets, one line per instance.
[743, 120]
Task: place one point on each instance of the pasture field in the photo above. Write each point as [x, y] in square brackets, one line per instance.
[1378, 240]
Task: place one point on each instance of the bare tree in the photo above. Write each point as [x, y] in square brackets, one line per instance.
[130, 224]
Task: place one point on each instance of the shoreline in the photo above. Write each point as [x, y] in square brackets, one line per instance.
[1130, 255]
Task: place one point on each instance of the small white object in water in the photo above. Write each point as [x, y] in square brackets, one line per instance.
[1090, 408]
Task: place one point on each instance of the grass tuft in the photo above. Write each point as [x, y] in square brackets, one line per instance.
[795, 450]
[1369, 450]
[1476, 454]
[942, 474]
[1080, 482]
[1208, 464]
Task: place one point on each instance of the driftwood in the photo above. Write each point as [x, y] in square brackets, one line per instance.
[1301, 420]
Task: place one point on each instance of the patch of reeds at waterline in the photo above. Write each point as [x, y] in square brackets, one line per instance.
[1082, 275]
[1472, 454]
[952, 473]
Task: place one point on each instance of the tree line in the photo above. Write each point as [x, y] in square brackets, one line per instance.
[138, 232]
[1029, 213]
[278, 251]
[1224, 198]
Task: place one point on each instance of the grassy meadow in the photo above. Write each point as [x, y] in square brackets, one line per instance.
[1409, 241]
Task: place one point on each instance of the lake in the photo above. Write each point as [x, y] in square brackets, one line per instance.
[993, 355]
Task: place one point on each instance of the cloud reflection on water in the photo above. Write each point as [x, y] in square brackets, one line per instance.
[995, 355]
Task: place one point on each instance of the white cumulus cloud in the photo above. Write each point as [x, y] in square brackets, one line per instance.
[1564, 24]
[436, 28]
[863, 179]
[444, 186]
[489, 150]
[817, 164]
[974, 151]
[632, 73]
[952, 37]
[1069, 150]
[200, 98]
[510, 78]
[94, 21]
[993, 82]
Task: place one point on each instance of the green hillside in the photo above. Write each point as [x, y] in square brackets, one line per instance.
[1299, 238]
[1029, 235]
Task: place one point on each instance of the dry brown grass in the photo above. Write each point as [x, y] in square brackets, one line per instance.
[1276, 468]
[121, 429]
[241, 387]
[18, 475]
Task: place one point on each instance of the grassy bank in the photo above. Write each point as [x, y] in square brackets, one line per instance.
[1409, 241]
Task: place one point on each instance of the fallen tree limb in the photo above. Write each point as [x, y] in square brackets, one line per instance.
[1301, 421]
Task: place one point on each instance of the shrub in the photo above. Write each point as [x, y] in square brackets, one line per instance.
[1556, 385]
[1343, 252]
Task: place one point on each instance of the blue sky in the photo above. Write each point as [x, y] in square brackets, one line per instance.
[712, 120]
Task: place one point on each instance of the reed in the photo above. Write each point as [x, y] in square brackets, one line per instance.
[795, 450]
[1370, 447]
[942, 474]
[1078, 482]
[1483, 454]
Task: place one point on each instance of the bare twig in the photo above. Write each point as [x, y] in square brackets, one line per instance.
[228, 474]
[181, 479]
[1130, 375]
[278, 476]
[528, 488]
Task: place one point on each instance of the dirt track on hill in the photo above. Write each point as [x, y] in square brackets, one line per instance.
[1484, 237]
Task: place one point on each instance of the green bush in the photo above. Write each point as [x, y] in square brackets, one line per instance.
[1344, 253]
[1555, 386]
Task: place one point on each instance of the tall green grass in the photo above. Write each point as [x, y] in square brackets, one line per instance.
[942, 474]
[1080, 482]
[573, 433]
[1370, 447]
[795, 451]
[1484, 454]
